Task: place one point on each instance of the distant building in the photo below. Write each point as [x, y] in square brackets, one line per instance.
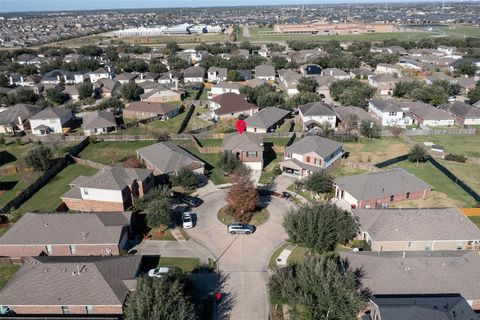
[325, 28]
[390, 112]
[315, 114]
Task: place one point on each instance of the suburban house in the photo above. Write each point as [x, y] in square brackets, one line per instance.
[194, 74]
[125, 77]
[229, 105]
[390, 112]
[419, 272]
[110, 189]
[417, 229]
[160, 94]
[215, 74]
[63, 77]
[361, 73]
[266, 120]
[247, 147]
[100, 73]
[72, 285]
[323, 88]
[169, 158]
[445, 306]
[98, 122]
[51, 120]
[72, 91]
[265, 72]
[15, 119]
[144, 110]
[385, 83]
[378, 189]
[289, 79]
[466, 84]
[427, 115]
[345, 113]
[463, 113]
[438, 77]
[65, 234]
[311, 154]
[224, 87]
[310, 70]
[388, 68]
[107, 87]
[337, 73]
[169, 77]
[315, 114]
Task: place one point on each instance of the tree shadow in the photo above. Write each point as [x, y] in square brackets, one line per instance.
[7, 185]
[206, 285]
[6, 157]
[269, 154]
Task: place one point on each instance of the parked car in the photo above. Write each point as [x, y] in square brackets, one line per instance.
[187, 220]
[157, 272]
[191, 201]
[238, 227]
[286, 195]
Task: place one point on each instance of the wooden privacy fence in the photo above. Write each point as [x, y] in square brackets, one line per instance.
[201, 149]
[89, 163]
[360, 165]
[471, 212]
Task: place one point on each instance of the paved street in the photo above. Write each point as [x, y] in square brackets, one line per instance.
[242, 260]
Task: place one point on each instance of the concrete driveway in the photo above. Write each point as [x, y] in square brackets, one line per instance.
[242, 260]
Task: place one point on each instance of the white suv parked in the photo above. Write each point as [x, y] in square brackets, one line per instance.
[238, 227]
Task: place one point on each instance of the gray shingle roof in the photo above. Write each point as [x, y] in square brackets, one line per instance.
[98, 119]
[386, 105]
[264, 70]
[67, 228]
[116, 178]
[153, 107]
[51, 113]
[246, 142]
[373, 185]
[125, 76]
[167, 157]
[317, 109]
[266, 117]
[56, 281]
[419, 272]
[461, 109]
[429, 112]
[416, 224]
[24, 111]
[232, 103]
[321, 146]
[194, 72]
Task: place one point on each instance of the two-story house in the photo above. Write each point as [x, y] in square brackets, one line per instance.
[15, 119]
[98, 122]
[315, 114]
[51, 120]
[265, 72]
[224, 87]
[100, 73]
[110, 189]
[311, 154]
[215, 74]
[389, 112]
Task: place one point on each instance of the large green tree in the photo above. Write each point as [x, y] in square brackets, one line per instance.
[474, 95]
[307, 84]
[39, 157]
[85, 90]
[167, 297]
[112, 103]
[185, 178]
[302, 98]
[158, 212]
[319, 226]
[370, 129]
[351, 92]
[131, 91]
[319, 182]
[320, 288]
[417, 154]
[228, 162]
[56, 96]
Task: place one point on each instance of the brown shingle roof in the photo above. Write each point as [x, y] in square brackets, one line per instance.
[231, 103]
[152, 107]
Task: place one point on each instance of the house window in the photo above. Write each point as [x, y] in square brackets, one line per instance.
[85, 191]
[408, 195]
[89, 309]
[308, 159]
[48, 248]
[65, 310]
[73, 249]
[392, 197]
[251, 154]
[410, 244]
[392, 114]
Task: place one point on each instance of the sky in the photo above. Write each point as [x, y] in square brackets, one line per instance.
[53, 5]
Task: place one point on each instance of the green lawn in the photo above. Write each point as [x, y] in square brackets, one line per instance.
[186, 264]
[341, 171]
[168, 236]
[4, 228]
[15, 184]
[375, 150]
[258, 218]
[211, 142]
[285, 127]
[468, 31]
[173, 124]
[111, 152]
[476, 220]
[47, 199]
[468, 145]
[204, 95]
[427, 172]
[267, 172]
[6, 272]
[468, 172]
[278, 142]
[211, 170]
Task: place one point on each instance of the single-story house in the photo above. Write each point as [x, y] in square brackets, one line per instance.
[15, 119]
[389, 68]
[265, 72]
[144, 110]
[427, 115]
[72, 285]
[224, 87]
[266, 120]
[160, 94]
[229, 105]
[385, 83]
[314, 114]
[417, 229]
[378, 189]
[344, 113]
[311, 154]
[64, 234]
[169, 158]
[419, 272]
[337, 73]
[107, 87]
[125, 77]
[463, 113]
[98, 122]
[194, 74]
[110, 189]
[51, 120]
[289, 79]
[247, 147]
[100, 73]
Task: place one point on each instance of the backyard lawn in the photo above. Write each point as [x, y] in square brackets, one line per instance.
[210, 142]
[267, 173]
[186, 264]
[375, 150]
[6, 272]
[446, 193]
[111, 152]
[476, 220]
[340, 171]
[47, 199]
[173, 124]
[211, 169]
[468, 172]
[14, 184]
[468, 145]
[278, 142]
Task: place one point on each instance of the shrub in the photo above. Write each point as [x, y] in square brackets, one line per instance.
[14, 216]
[39, 157]
[456, 157]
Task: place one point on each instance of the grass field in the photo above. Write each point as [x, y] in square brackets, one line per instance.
[211, 142]
[12, 153]
[178, 38]
[6, 272]
[173, 124]
[476, 220]
[111, 152]
[47, 199]
[186, 264]
[267, 172]
[15, 184]
[4, 228]
[211, 170]
[341, 171]
[460, 31]
[468, 172]
[468, 145]
[446, 193]
[375, 150]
